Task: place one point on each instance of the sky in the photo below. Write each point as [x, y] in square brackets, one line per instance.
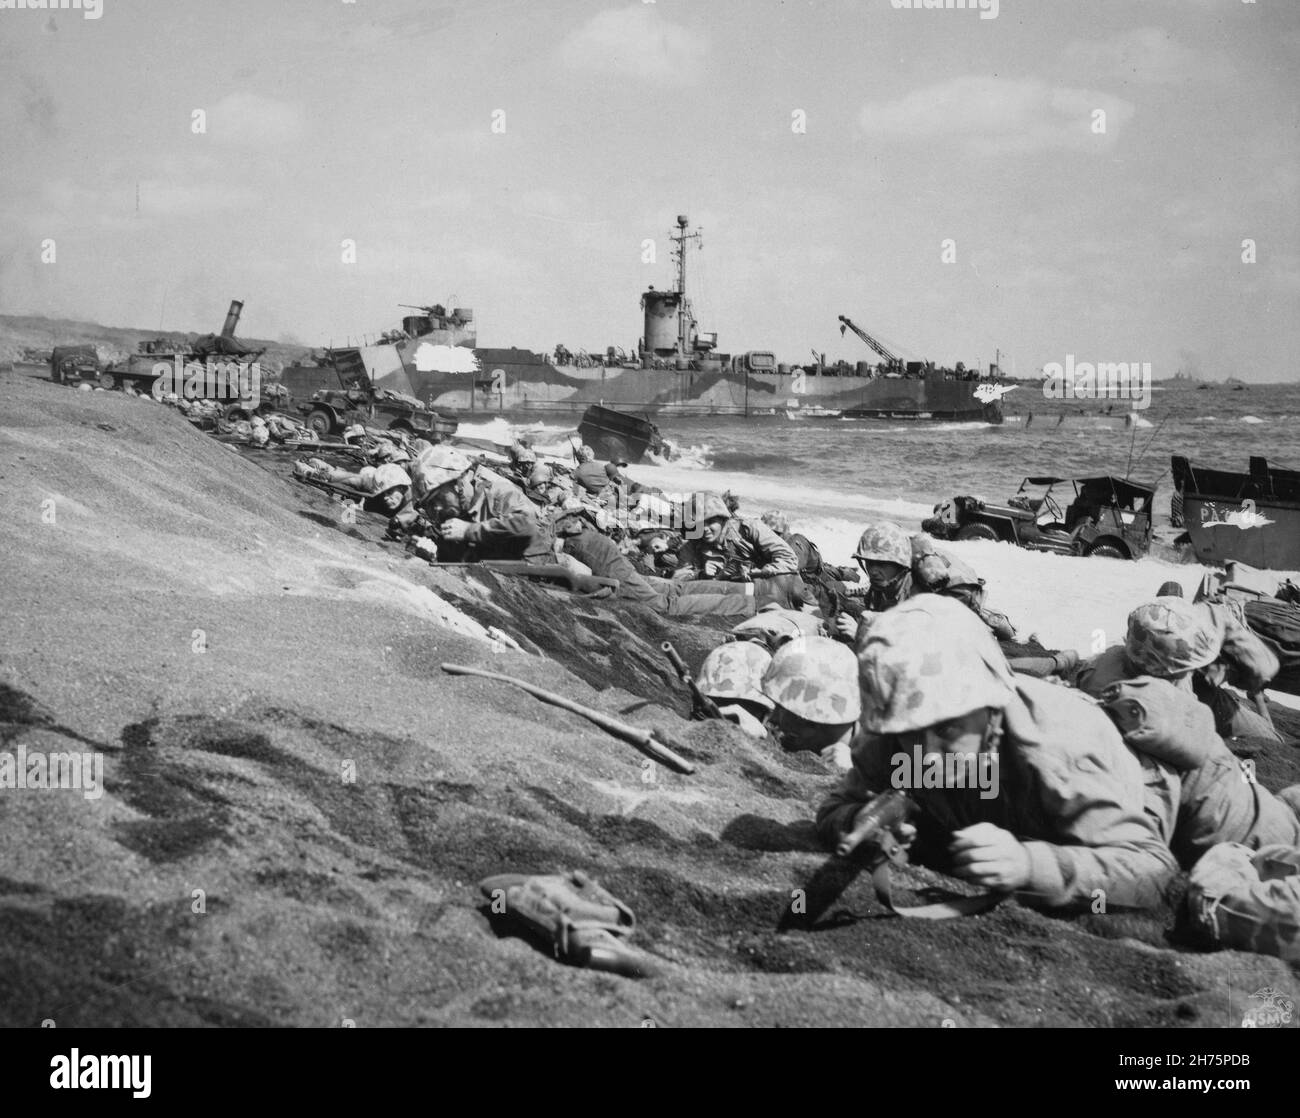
[941, 177]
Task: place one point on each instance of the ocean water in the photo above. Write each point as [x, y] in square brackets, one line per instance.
[834, 474]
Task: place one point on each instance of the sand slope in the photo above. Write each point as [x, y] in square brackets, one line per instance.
[327, 899]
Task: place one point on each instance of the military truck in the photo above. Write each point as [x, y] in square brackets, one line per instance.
[72, 364]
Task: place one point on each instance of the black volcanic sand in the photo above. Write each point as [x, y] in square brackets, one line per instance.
[230, 874]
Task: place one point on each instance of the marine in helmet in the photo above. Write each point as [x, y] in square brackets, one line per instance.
[731, 548]
[1202, 648]
[388, 486]
[474, 513]
[732, 676]
[813, 683]
[589, 478]
[1067, 813]
[884, 553]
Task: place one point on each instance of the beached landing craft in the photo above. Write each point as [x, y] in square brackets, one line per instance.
[677, 370]
[1253, 518]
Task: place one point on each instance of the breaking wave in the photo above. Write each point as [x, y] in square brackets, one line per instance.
[1251, 419]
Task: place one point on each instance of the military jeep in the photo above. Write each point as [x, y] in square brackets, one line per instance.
[1108, 517]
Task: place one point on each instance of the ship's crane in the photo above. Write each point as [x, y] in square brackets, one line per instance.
[893, 362]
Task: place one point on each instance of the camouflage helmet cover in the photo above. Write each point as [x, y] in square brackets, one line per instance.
[885, 542]
[711, 507]
[1170, 636]
[776, 520]
[735, 671]
[926, 661]
[438, 465]
[815, 678]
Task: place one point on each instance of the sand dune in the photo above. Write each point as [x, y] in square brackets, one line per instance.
[233, 873]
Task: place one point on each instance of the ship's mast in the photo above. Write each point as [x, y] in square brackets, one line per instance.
[680, 240]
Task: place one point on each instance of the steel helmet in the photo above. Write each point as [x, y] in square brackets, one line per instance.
[735, 671]
[712, 507]
[816, 679]
[353, 431]
[885, 542]
[926, 661]
[390, 476]
[585, 453]
[525, 457]
[439, 465]
[1170, 636]
[260, 435]
[775, 519]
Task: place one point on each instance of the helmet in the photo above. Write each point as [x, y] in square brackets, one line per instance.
[257, 421]
[540, 474]
[735, 671]
[1172, 635]
[926, 661]
[585, 453]
[712, 507]
[390, 476]
[815, 679]
[775, 519]
[525, 457]
[885, 542]
[260, 436]
[353, 431]
[438, 465]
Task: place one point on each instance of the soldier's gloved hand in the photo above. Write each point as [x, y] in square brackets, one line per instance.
[454, 530]
[989, 856]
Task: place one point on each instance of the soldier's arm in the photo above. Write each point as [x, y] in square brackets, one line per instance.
[512, 519]
[780, 557]
[1101, 843]
[869, 775]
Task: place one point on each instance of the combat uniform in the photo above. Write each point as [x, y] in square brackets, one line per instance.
[1069, 789]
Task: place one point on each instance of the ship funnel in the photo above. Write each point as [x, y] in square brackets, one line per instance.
[232, 318]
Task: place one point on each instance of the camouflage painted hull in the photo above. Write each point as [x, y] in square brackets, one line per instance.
[515, 382]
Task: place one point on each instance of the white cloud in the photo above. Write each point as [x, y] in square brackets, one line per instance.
[250, 120]
[636, 42]
[989, 116]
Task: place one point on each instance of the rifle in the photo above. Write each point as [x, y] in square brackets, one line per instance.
[873, 845]
[701, 705]
[644, 740]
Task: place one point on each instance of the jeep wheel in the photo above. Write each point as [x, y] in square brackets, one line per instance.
[320, 421]
[976, 532]
[1107, 551]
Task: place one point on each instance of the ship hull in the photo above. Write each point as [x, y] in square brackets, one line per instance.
[1251, 518]
[515, 382]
